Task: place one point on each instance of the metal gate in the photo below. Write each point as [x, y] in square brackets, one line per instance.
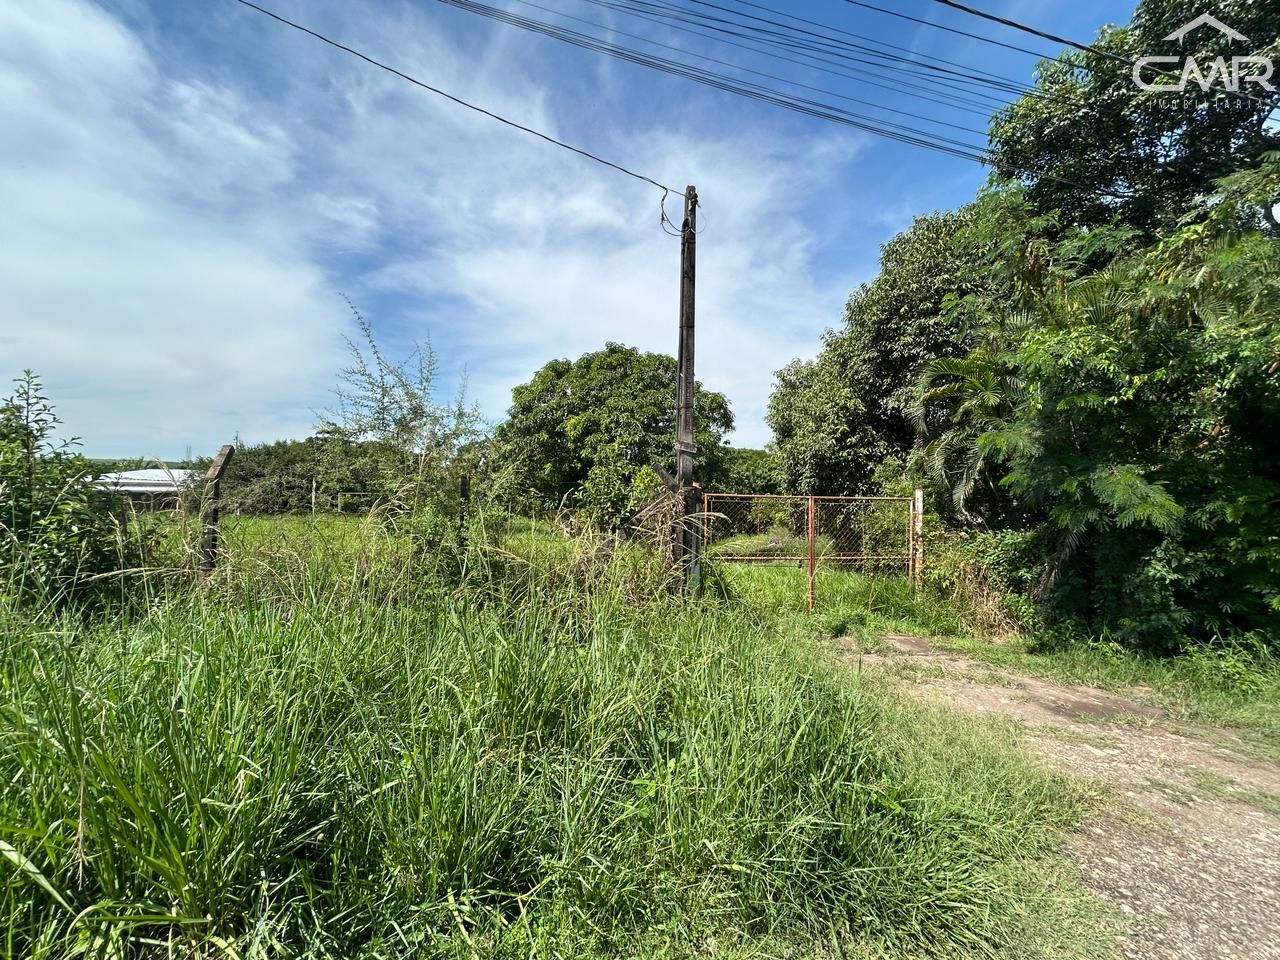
[862, 533]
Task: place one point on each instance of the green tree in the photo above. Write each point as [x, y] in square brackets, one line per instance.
[1094, 148]
[837, 417]
[283, 476]
[583, 428]
[1146, 433]
[960, 400]
[744, 470]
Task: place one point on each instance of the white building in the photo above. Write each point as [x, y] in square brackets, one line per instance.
[151, 488]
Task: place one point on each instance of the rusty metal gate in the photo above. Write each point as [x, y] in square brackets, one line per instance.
[861, 533]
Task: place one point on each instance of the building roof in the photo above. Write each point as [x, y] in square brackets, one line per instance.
[148, 481]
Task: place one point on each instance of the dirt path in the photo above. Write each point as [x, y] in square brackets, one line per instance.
[1190, 853]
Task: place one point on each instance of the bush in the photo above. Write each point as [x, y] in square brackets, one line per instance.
[987, 575]
[59, 534]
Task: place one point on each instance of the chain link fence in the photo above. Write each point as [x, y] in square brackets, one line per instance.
[870, 534]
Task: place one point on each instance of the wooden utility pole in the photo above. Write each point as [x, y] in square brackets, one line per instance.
[686, 541]
[209, 506]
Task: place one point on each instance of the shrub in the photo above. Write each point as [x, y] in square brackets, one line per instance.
[986, 574]
[59, 534]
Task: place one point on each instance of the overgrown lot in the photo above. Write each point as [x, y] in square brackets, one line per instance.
[545, 755]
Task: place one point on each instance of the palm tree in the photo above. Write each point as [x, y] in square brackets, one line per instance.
[958, 402]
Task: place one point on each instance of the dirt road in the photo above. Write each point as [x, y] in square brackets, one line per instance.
[1189, 851]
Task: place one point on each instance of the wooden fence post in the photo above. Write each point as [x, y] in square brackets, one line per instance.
[209, 506]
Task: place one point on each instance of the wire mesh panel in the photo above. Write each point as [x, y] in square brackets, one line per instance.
[869, 534]
[756, 528]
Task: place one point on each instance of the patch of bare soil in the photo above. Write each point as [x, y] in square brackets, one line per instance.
[1190, 854]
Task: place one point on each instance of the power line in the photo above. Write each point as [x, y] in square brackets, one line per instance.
[822, 40]
[759, 73]
[678, 18]
[812, 108]
[812, 61]
[805, 40]
[817, 109]
[458, 100]
[913, 54]
[1025, 28]
[1067, 41]
[955, 30]
[876, 125]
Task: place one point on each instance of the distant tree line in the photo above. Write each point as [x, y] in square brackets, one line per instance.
[583, 434]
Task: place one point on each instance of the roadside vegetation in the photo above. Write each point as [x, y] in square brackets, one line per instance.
[462, 713]
[1081, 365]
[362, 752]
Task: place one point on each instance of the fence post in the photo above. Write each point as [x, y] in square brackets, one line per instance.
[813, 554]
[464, 509]
[917, 536]
[209, 508]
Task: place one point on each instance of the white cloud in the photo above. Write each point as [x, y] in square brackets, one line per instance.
[156, 316]
[172, 244]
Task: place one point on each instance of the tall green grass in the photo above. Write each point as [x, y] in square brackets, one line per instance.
[553, 762]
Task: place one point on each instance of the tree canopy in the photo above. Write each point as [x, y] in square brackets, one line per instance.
[1095, 148]
[1087, 355]
[837, 417]
[583, 428]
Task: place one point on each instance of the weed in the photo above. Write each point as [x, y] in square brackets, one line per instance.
[356, 754]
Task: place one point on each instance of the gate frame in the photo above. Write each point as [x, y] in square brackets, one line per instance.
[913, 559]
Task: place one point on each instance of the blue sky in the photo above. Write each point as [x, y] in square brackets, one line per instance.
[187, 190]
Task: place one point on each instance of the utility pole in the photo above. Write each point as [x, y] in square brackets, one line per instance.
[686, 539]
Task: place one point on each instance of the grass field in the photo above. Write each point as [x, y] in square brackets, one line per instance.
[343, 746]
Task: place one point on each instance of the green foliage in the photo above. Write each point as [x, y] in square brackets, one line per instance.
[462, 777]
[388, 441]
[744, 470]
[1095, 149]
[957, 402]
[580, 429]
[837, 417]
[985, 577]
[57, 531]
[1088, 352]
[1141, 432]
[410, 445]
[290, 476]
